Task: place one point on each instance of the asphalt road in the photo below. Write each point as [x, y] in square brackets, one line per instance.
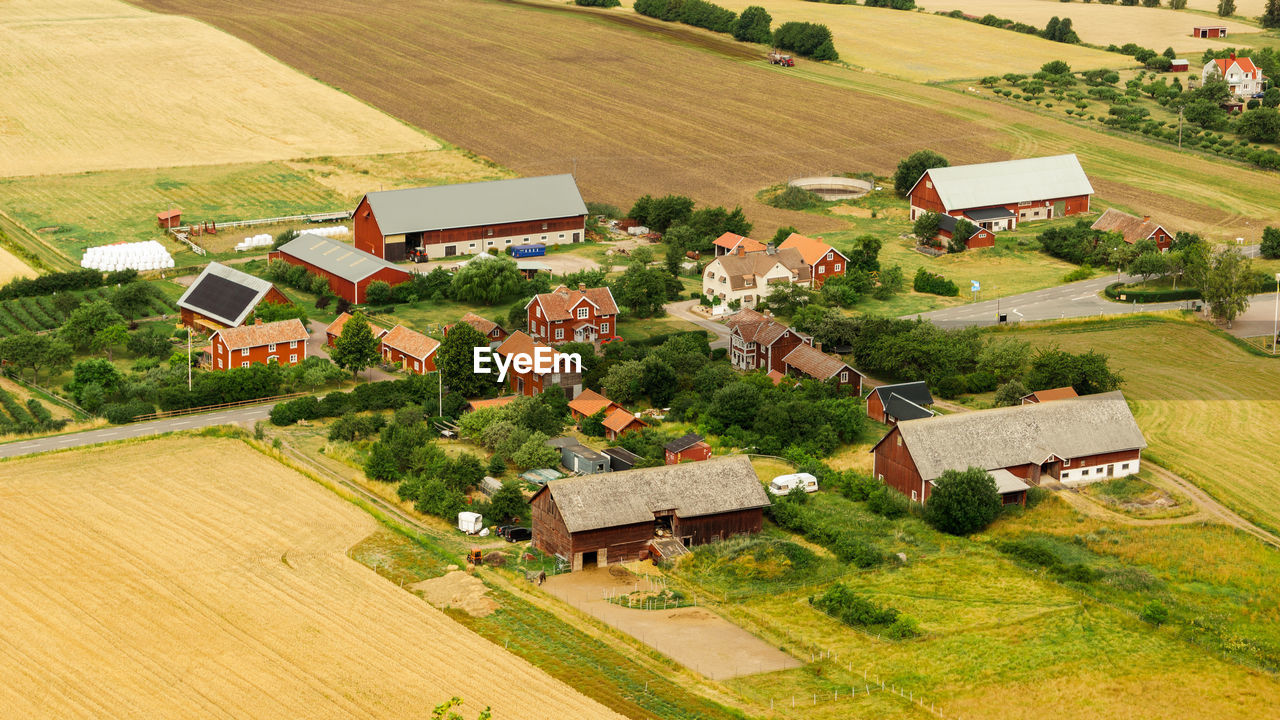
[1078, 299]
[683, 310]
[121, 432]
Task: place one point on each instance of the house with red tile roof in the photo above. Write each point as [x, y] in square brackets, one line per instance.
[1039, 396]
[808, 361]
[532, 382]
[283, 342]
[485, 327]
[619, 422]
[758, 341]
[823, 260]
[589, 402]
[582, 315]
[414, 351]
[335, 329]
[728, 244]
[492, 402]
[1241, 75]
[1133, 228]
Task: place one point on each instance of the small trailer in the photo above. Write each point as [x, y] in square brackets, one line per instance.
[528, 250]
[470, 522]
[784, 484]
[777, 58]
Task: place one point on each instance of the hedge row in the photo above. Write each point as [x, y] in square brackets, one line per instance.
[927, 282]
[34, 417]
[63, 281]
[1115, 290]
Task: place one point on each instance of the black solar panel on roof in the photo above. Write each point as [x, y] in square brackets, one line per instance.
[220, 297]
[901, 409]
[917, 392]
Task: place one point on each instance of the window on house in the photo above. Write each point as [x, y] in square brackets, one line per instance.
[928, 183]
[508, 241]
[881, 477]
[219, 361]
[582, 313]
[561, 236]
[837, 268]
[604, 330]
[822, 268]
[271, 347]
[293, 345]
[1124, 466]
[537, 312]
[559, 333]
[491, 233]
[913, 496]
[244, 364]
[899, 441]
[417, 365]
[293, 358]
[244, 352]
[1066, 463]
[844, 376]
[544, 226]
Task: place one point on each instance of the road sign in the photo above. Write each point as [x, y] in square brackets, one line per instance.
[976, 286]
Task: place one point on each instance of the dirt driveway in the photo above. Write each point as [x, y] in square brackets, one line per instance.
[692, 636]
[560, 264]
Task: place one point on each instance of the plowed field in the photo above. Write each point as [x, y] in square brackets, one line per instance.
[186, 578]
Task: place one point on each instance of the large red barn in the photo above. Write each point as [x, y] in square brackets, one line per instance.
[348, 271]
[997, 196]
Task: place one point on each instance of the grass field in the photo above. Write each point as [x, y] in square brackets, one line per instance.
[1156, 28]
[920, 47]
[1208, 408]
[68, 213]
[635, 126]
[99, 84]
[217, 583]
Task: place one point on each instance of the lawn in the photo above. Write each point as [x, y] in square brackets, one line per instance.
[1207, 407]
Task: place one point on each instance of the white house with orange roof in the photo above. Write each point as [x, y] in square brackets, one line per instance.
[1241, 75]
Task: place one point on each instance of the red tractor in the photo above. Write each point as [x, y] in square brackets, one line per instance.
[777, 58]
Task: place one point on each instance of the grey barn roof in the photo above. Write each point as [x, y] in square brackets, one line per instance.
[1000, 183]
[442, 207]
[900, 408]
[917, 392]
[628, 497]
[224, 294]
[335, 257]
[1022, 434]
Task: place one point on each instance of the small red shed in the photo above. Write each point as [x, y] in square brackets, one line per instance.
[1180, 65]
[169, 219]
[1209, 31]
[690, 447]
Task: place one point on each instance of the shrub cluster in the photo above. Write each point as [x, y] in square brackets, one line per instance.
[1032, 553]
[807, 39]
[842, 603]
[63, 281]
[927, 282]
[25, 419]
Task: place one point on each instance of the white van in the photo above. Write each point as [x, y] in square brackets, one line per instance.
[784, 484]
[470, 523]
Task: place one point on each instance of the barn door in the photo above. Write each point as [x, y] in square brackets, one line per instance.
[1059, 208]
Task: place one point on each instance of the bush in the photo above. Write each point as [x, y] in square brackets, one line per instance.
[928, 282]
[904, 628]
[856, 550]
[1115, 290]
[1084, 272]
[597, 3]
[121, 413]
[1154, 613]
[795, 198]
[840, 602]
[807, 39]
[963, 502]
[888, 503]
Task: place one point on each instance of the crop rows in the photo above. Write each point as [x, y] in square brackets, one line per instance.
[34, 314]
[34, 417]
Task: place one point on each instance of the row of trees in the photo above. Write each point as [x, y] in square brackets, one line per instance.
[753, 25]
[60, 282]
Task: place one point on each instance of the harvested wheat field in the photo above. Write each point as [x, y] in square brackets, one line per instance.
[919, 46]
[98, 84]
[1156, 28]
[195, 577]
[11, 267]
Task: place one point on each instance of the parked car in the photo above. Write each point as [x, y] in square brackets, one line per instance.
[504, 529]
[519, 534]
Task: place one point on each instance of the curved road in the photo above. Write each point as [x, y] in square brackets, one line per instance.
[120, 432]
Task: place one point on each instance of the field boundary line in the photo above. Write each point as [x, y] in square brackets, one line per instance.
[35, 239]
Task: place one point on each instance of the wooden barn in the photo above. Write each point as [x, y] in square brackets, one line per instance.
[169, 219]
[223, 297]
[982, 238]
[412, 350]
[429, 223]
[619, 422]
[808, 361]
[1133, 228]
[634, 514]
[889, 404]
[349, 272]
[687, 448]
[1075, 440]
[1209, 31]
[1040, 396]
[999, 195]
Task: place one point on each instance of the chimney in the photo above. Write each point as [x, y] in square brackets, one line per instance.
[582, 287]
[770, 249]
[1233, 54]
[740, 251]
[1146, 218]
[257, 321]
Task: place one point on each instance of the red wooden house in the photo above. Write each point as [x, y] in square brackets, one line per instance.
[1076, 440]
[169, 219]
[224, 297]
[689, 448]
[487, 328]
[582, 315]
[758, 341]
[448, 220]
[1040, 396]
[532, 382]
[1209, 31]
[348, 271]
[997, 196]
[283, 342]
[414, 351]
[729, 244]
[981, 238]
[332, 332]
[619, 422]
[823, 260]
[1134, 228]
[889, 404]
[588, 403]
[807, 361]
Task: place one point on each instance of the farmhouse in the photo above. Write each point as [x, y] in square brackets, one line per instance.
[449, 220]
[582, 315]
[758, 341]
[619, 422]
[630, 515]
[1040, 396]
[532, 382]
[1134, 228]
[997, 196]
[688, 448]
[746, 277]
[981, 238]
[807, 361]
[889, 404]
[822, 260]
[1241, 75]
[283, 342]
[728, 244]
[335, 329]
[1209, 31]
[223, 297]
[487, 328]
[579, 458]
[348, 271]
[1076, 440]
[412, 350]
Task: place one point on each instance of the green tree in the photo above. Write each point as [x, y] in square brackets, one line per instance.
[963, 501]
[508, 504]
[28, 350]
[378, 293]
[1087, 372]
[641, 290]
[864, 253]
[535, 453]
[753, 25]
[624, 382]
[487, 281]
[926, 228]
[355, 348]
[149, 343]
[444, 711]
[1154, 613]
[1226, 8]
[782, 234]
[455, 359]
[109, 338]
[1005, 359]
[98, 373]
[960, 236]
[1260, 125]
[1055, 67]
[86, 321]
[1205, 113]
[659, 381]
[1010, 393]
[913, 166]
[1270, 248]
[135, 299]
[592, 425]
[1271, 97]
[1227, 285]
[1149, 265]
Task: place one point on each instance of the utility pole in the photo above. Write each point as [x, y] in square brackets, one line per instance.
[439, 391]
[1179, 128]
[1275, 321]
[188, 358]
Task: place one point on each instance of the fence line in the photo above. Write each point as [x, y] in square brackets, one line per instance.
[219, 406]
[312, 217]
[49, 393]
